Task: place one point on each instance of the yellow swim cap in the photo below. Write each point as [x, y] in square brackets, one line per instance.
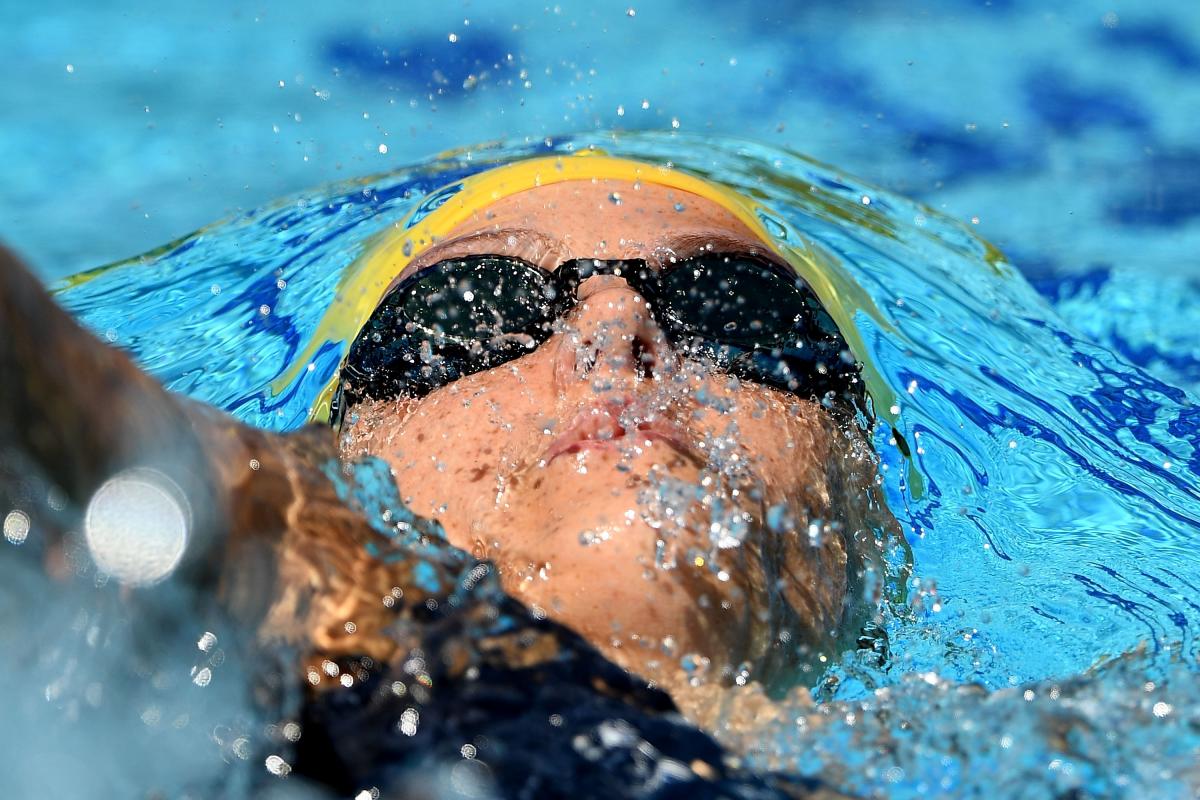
[363, 285]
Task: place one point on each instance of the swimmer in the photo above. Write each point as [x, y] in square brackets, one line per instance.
[611, 385]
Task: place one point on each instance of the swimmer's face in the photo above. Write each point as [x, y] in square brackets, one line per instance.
[620, 487]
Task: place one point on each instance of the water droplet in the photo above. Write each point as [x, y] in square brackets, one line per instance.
[16, 526]
[277, 766]
[409, 720]
[615, 198]
[779, 520]
[694, 664]
[773, 226]
[137, 526]
[589, 538]
[383, 148]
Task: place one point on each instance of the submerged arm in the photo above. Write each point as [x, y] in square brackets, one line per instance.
[269, 536]
[78, 412]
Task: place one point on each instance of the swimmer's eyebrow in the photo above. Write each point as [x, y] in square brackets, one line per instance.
[677, 245]
[543, 250]
[531, 245]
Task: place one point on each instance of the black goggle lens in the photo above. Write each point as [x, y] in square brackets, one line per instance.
[734, 300]
[447, 322]
[475, 300]
[467, 315]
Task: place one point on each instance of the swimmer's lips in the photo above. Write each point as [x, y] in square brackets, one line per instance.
[597, 428]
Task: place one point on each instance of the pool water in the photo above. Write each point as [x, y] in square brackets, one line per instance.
[1044, 390]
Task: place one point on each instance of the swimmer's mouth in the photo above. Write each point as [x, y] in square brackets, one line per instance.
[598, 427]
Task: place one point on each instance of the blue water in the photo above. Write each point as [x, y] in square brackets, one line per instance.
[1051, 502]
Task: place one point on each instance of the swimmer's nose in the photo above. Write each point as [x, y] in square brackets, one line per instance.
[612, 339]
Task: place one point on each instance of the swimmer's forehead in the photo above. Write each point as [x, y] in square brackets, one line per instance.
[608, 218]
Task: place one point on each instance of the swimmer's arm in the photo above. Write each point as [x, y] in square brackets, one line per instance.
[75, 412]
[270, 536]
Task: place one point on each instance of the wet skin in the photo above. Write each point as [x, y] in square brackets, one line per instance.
[566, 466]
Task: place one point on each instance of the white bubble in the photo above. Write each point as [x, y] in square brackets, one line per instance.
[277, 766]
[137, 526]
[16, 526]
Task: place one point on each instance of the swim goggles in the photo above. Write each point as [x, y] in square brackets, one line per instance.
[753, 318]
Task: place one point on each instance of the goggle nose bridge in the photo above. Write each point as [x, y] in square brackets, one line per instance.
[588, 267]
[635, 271]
